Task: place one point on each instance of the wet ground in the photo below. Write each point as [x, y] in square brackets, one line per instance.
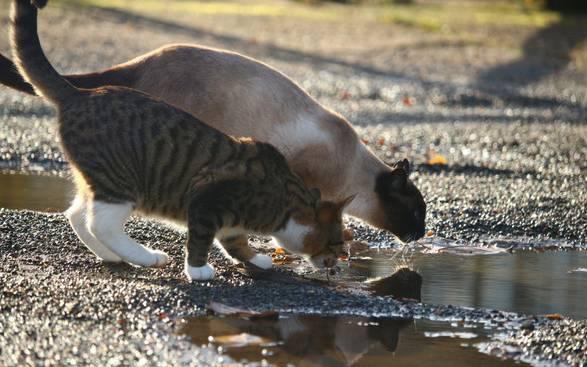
[508, 114]
[307, 340]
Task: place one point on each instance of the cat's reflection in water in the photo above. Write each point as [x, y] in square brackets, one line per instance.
[303, 340]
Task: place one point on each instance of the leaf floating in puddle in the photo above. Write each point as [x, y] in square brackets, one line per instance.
[450, 334]
[355, 247]
[578, 270]
[222, 309]
[240, 340]
[445, 247]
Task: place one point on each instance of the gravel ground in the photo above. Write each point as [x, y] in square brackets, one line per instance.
[533, 344]
[55, 296]
[510, 123]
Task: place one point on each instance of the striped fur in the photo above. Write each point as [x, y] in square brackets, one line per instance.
[129, 151]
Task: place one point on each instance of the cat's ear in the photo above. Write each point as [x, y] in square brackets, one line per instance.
[345, 202]
[394, 180]
[403, 165]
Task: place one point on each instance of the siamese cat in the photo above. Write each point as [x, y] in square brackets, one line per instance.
[241, 96]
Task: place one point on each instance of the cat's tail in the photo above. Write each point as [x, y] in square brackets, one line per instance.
[10, 77]
[30, 58]
[120, 75]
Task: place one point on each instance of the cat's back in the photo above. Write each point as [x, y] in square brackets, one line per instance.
[234, 93]
[122, 110]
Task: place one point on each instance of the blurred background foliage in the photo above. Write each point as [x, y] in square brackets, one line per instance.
[557, 5]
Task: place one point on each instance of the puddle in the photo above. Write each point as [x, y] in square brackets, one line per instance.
[525, 281]
[311, 340]
[35, 192]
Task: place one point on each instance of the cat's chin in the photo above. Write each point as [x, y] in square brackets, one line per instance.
[199, 273]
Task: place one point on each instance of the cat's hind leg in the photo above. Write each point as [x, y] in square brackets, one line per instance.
[106, 223]
[77, 214]
[238, 248]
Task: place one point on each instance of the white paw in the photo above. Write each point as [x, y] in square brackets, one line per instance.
[160, 259]
[262, 261]
[205, 272]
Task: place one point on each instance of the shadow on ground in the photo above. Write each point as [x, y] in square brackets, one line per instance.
[546, 52]
[504, 72]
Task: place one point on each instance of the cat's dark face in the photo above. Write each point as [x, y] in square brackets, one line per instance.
[403, 210]
[325, 242]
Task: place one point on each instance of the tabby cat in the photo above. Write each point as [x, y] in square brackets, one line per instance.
[130, 152]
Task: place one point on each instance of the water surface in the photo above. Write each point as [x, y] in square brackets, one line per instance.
[526, 281]
[34, 192]
[311, 340]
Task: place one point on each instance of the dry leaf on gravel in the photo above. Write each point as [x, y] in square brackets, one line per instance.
[283, 259]
[408, 101]
[279, 251]
[436, 159]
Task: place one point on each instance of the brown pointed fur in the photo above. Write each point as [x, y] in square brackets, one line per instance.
[126, 147]
[241, 96]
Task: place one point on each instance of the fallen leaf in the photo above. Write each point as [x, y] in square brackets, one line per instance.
[344, 95]
[438, 159]
[554, 316]
[283, 259]
[465, 250]
[279, 251]
[408, 101]
[240, 340]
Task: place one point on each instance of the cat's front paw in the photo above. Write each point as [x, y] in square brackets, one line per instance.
[160, 259]
[205, 272]
[262, 261]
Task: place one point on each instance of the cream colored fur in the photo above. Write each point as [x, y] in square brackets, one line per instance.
[244, 97]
